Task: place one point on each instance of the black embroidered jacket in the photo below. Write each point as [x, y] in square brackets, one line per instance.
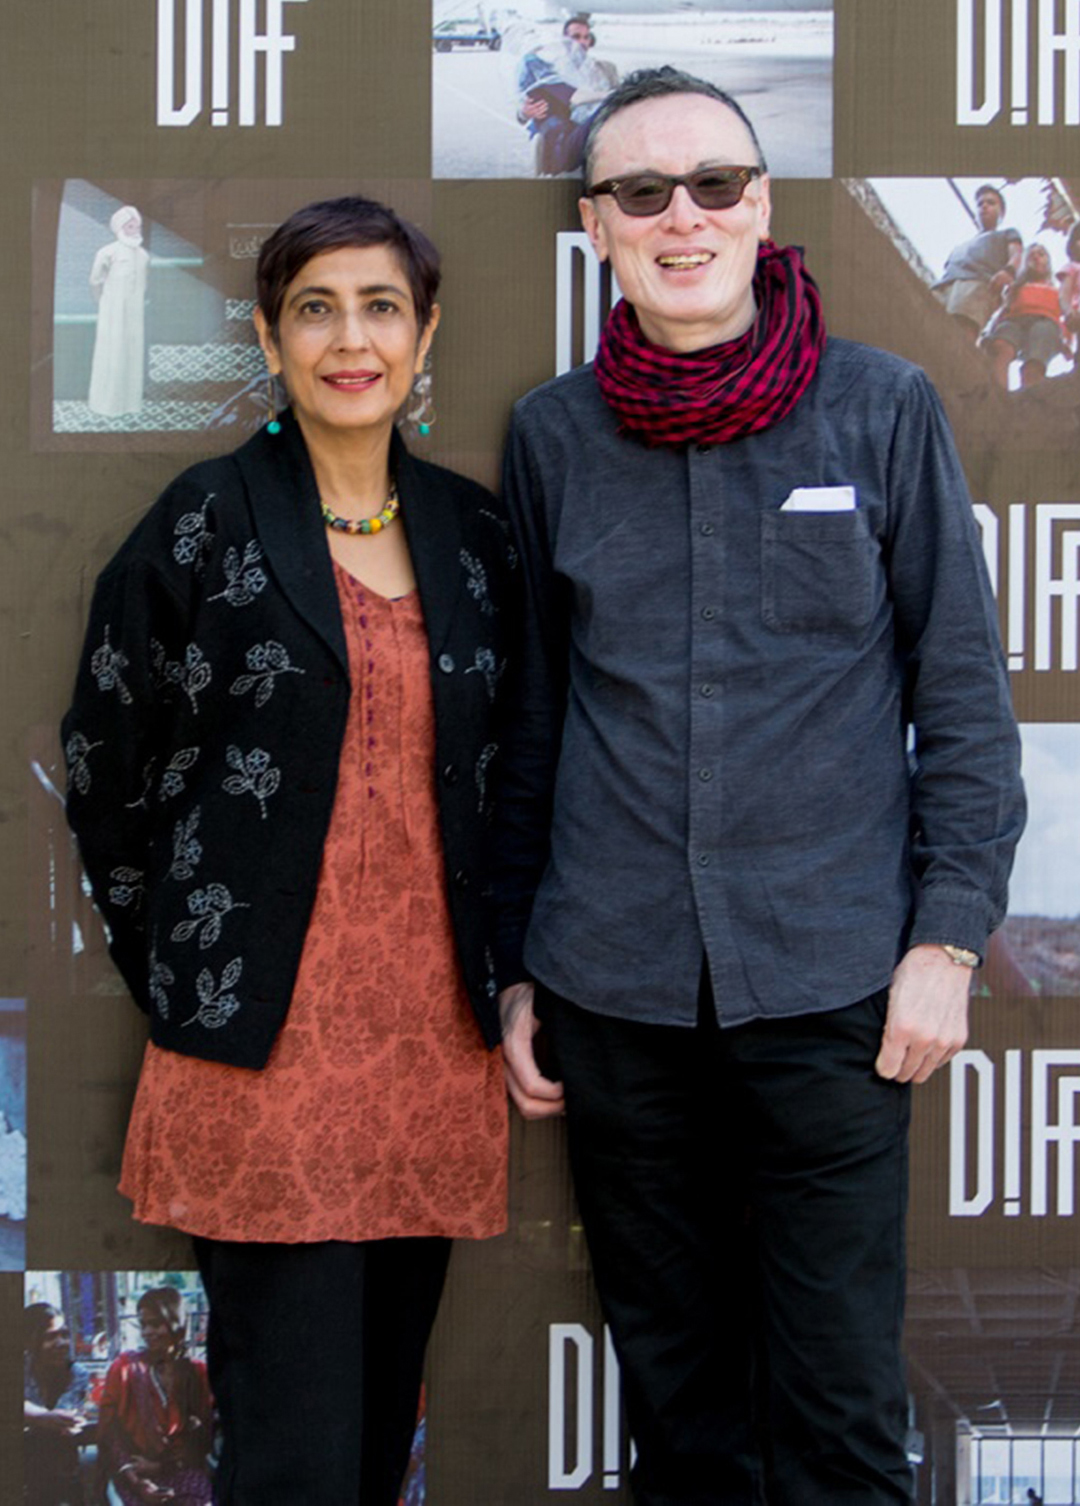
[203, 740]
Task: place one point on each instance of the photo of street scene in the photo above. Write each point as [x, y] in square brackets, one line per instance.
[515, 86]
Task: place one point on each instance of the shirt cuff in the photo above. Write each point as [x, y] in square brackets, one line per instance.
[952, 917]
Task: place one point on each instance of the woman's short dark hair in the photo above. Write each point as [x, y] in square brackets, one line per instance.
[332, 225]
[657, 83]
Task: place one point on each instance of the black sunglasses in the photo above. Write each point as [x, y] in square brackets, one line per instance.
[650, 193]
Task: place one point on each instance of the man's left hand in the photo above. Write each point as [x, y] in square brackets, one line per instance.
[927, 1022]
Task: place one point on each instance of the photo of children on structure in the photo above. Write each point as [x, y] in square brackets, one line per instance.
[12, 1134]
[514, 87]
[1037, 950]
[117, 1408]
[116, 1404]
[1000, 259]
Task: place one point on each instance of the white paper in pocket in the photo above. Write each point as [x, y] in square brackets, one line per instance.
[820, 499]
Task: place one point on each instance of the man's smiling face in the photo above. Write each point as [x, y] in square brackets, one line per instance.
[687, 271]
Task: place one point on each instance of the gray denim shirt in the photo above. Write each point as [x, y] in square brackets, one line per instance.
[781, 735]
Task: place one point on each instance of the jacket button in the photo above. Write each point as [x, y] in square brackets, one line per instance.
[461, 879]
[446, 663]
[450, 774]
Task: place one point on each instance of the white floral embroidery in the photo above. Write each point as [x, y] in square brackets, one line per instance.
[172, 780]
[161, 978]
[187, 849]
[504, 528]
[143, 801]
[209, 906]
[254, 773]
[106, 663]
[216, 1003]
[491, 988]
[486, 755]
[128, 887]
[245, 578]
[484, 664]
[193, 675]
[193, 539]
[477, 583]
[76, 750]
[266, 661]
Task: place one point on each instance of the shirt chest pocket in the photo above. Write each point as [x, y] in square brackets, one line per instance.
[820, 572]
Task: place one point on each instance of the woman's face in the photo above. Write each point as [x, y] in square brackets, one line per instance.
[156, 1333]
[347, 345]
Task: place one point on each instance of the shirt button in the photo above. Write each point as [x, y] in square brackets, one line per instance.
[446, 663]
[450, 773]
[704, 775]
[708, 690]
[708, 613]
[703, 860]
[707, 529]
[461, 879]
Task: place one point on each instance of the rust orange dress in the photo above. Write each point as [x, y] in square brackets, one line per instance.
[380, 1113]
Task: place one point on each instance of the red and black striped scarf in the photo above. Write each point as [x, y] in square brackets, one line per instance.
[738, 387]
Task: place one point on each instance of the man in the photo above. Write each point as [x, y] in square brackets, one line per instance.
[559, 95]
[750, 566]
[978, 270]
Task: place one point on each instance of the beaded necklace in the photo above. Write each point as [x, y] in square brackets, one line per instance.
[363, 525]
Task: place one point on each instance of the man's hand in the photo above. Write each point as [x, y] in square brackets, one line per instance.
[927, 1020]
[536, 1096]
[534, 109]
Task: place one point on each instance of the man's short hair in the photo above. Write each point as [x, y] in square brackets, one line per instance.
[578, 20]
[656, 83]
[989, 188]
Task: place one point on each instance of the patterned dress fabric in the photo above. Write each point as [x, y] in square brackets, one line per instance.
[380, 1113]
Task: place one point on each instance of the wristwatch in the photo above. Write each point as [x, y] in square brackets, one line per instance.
[963, 956]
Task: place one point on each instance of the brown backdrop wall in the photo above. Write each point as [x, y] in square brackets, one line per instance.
[994, 1292]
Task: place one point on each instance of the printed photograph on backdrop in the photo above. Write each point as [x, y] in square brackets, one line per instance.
[144, 337]
[515, 86]
[117, 1409]
[116, 1405]
[994, 1373]
[1037, 950]
[143, 301]
[12, 1134]
[989, 269]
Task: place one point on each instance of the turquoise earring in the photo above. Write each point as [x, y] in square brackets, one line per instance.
[273, 425]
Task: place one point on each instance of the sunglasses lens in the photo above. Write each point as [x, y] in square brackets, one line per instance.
[716, 190]
[643, 195]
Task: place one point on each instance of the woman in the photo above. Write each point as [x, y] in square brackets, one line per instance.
[280, 761]
[55, 1391]
[1028, 326]
[156, 1427]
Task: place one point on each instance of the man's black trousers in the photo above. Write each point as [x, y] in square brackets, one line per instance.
[744, 1193]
